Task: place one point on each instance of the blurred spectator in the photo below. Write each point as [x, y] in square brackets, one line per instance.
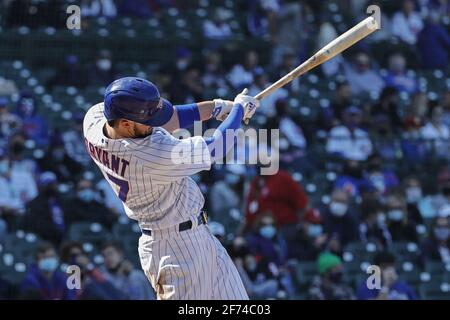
[413, 195]
[328, 33]
[43, 279]
[372, 228]
[342, 98]
[70, 74]
[241, 76]
[94, 285]
[217, 29]
[266, 242]
[446, 107]
[288, 63]
[73, 140]
[85, 207]
[213, 73]
[391, 287]
[45, 213]
[407, 23]
[9, 122]
[329, 285]
[262, 18]
[348, 140]
[437, 134]
[339, 219]
[397, 77]
[434, 44]
[98, 8]
[17, 173]
[436, 247]
[122, 274]
[58, 161]
[352, 180]
[384, 180]
[103, 73]
[33, 124]
[362, 76]
[388, 106]
[224, 194]
[188, 88]
[433, 204]
[278, 195]
[307, 239]
[258, 280]
[261, 81]
[400, 228]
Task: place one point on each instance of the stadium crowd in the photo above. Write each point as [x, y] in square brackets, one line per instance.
[364, 169]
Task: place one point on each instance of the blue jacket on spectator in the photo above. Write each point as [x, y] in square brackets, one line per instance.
[398, 291]
[272, 250]
[434, 46]
[55, 288]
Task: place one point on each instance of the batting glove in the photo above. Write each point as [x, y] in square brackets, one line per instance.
[221, 109]
[249, 103]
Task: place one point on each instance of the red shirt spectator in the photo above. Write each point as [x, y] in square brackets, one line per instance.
[278, 194]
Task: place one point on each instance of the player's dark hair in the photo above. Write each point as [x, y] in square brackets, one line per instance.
[112, 123]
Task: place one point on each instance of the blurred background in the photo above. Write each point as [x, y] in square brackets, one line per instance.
[364, 144]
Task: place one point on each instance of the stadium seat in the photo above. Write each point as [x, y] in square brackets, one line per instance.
[435, 291]
[305, 271]
[86, 232]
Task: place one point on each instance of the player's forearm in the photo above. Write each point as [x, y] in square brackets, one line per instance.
[218, 144]
[205, 109]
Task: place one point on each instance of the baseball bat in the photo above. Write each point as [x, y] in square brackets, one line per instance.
[341, 43]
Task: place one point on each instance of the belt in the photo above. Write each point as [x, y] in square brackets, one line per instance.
[187, 225]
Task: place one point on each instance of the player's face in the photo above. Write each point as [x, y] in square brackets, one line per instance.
[141, 131]
[131, 129]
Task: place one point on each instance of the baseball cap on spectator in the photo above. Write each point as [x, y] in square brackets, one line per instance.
[47, 178]
[444, 211]
[313, 216]
[327, 261]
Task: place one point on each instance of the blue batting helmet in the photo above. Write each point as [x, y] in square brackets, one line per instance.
[137, 100]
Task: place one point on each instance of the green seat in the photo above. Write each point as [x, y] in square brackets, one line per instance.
[435, 291]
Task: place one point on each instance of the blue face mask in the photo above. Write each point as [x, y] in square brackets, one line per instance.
[48, 264]
[315, 230]
[86, 195]
[268, 231]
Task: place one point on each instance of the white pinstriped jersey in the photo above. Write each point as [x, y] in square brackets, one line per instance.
[155, 188]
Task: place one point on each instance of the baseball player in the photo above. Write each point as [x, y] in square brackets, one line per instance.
[129, 137]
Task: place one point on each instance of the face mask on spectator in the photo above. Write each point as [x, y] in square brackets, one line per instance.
[267, 231]
[86, 195]
[413, 194]
[104, 64]
[48, 264]
[395, 215]
[315, 230]
[338, 209]
[441, 233]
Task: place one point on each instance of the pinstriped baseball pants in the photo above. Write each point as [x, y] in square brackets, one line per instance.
[189, 265]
